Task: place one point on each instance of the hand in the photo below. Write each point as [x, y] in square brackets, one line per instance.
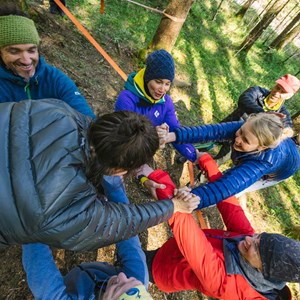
[151, 186]
[119, 284]
[199, 154]
[162, 132]
[278, 114]
[185, 202]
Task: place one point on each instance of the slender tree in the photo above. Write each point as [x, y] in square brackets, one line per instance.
[283, 39]
[169, 28]
[282, 24]
[241, 13]
[296, 122]
[217, 11]
[257, 31]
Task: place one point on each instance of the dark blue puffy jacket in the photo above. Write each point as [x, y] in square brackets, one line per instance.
[277, 164]
[45, 195]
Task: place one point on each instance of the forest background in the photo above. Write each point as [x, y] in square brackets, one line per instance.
[211, 72]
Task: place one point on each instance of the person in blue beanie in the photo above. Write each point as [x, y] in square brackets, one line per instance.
[146, 93]
[24, 74]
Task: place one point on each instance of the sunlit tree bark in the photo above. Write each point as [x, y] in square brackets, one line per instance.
[281, 37]
[288, 37]
[169, 29]
[257, 31]
[241, 13]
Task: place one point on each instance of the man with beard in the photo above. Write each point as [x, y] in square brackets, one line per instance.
[24, 74]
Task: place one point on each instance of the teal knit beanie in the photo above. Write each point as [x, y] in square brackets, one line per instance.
[16, 30]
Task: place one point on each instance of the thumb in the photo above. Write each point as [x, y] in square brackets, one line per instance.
[160, 186]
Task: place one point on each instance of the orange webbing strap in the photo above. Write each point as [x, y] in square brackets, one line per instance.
[102, 7]
[191, 173]
[192, 182]
[91, 39]
[201, 219]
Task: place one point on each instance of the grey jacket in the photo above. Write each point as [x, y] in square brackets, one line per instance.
[44, 193]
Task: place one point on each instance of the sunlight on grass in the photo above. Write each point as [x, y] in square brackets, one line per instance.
[205, 23]
[231, 29]
[222, 97]
[259, 211]
[204, 103]
[210, 45]
[179, 95]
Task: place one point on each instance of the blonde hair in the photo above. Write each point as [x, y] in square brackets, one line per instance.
[269, 129]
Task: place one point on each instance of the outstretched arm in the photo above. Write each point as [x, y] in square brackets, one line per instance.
[232, 182]
[44, 279]
[186, 150]
[129, 252]
[232, 213]
[204, 133]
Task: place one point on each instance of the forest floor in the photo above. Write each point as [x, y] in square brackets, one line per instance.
[64, 47]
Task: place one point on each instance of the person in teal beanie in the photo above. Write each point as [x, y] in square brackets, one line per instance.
[24, 74]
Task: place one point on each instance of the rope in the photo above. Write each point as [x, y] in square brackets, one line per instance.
[102, 7]
[175, 19]
[192, 182]
[91, 39]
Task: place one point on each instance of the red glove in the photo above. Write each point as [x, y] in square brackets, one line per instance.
[163, 177]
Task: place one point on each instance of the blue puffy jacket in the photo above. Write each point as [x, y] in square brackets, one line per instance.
[277, 164]
[47, 82]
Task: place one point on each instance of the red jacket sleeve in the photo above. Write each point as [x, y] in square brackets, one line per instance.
[232, 213]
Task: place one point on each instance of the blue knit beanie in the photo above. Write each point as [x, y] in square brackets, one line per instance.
[159, 65]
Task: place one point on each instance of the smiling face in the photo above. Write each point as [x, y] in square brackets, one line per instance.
[158, 88]
[278, 94]
[245, 140]
[249, 249]
[21, 59]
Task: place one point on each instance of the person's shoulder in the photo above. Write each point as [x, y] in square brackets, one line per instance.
[44, 67]
[127, 95]
[168, 98]
[255, 88]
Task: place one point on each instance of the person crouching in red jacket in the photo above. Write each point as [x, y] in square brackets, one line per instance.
[232, 264]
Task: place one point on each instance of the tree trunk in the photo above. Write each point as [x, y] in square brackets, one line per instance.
[288, 38]
[241, 13]
[169, 29]
[285, 31]
[257, 31]
[296, 122]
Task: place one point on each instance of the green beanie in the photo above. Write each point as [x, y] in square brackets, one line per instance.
[17, 30]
